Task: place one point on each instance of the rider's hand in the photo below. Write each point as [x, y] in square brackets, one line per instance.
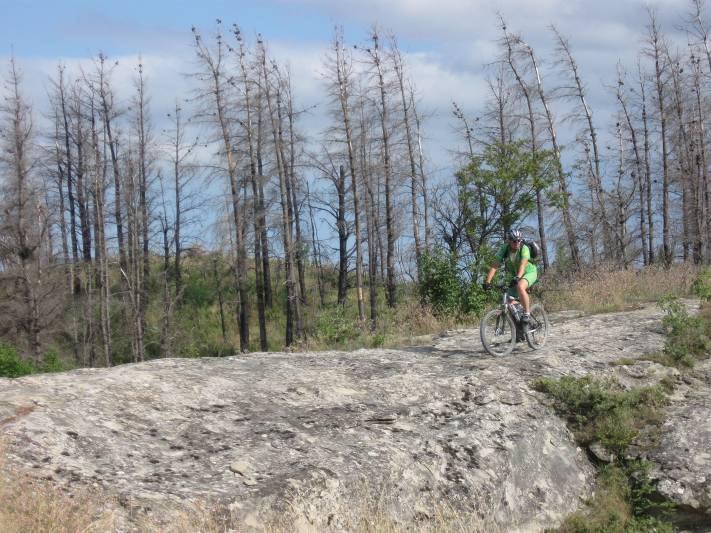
[486, 286]
[514, 281]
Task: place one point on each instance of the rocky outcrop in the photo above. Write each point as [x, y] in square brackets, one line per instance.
[310, 432]
[682, 457]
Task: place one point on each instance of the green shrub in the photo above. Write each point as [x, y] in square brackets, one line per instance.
[378, 340]
[688, 337]
[622, 501]
[474, 299]
[11, 364]
[447, 289]
[334, 327]
[602, 411]
[51, 362]
[440, 284]
[702, 285]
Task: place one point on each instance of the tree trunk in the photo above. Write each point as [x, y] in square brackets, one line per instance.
[257, 218]
[562, 181]
[387, 171]
[659, 71]
[414, 178]
[342, 237]
[344, 87]
[292, 303]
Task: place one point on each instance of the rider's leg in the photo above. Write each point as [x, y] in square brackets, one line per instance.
[523, 295]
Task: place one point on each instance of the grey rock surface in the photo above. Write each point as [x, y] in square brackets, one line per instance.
[682, 458]
[263, 432]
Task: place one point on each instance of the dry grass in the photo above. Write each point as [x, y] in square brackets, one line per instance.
[369, 508]
[30, 505]
[604, 290]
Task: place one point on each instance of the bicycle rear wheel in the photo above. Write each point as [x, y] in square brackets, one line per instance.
[537, 330]
[498, 332]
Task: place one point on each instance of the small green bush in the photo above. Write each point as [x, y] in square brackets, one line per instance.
[11, 364]
[51, 362]
[621, 503]
[602, 411]
[702, 285]
[447, 289]
[440, 284]
[378, 340]
[688, 337]
[334, 327]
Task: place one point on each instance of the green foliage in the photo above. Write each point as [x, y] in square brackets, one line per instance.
[474, 299]
[51, 362]
[688, 337]
[447, 288]
[502, 183]
[11, 364]
[622, 501]
[378, 340]
[702, 285]
[600, 410]
[334, 327]
[198, 292]
[440, 284]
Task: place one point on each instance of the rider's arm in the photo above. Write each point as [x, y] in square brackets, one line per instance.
[492, 271]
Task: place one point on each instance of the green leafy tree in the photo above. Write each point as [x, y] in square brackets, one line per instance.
[497, 189]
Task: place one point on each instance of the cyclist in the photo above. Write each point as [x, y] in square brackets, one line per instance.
[515, 255]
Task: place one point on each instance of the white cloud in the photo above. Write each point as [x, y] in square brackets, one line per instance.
[446, 45]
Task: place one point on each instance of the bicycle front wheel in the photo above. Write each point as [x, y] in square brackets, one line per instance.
[537, 330]
[498, 332]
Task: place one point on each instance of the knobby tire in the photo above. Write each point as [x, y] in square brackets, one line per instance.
[537, 330]
[494, 318]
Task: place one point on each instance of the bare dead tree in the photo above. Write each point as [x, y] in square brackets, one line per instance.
[423, 176]
[342, 85]
[509, 42]
[577, 91]
[22, 229]
[294, 326]
[701, 194]
[261, 202]
[564, 203]
[259, 218]
[639, 170]
[376, 60]
[215, 78]
[655, 50]
[316, 249]
[406, 111]
[372, 225]
[101, 84]
[79, 137]
[294, 186]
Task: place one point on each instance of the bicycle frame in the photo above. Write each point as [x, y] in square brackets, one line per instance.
[508, 315]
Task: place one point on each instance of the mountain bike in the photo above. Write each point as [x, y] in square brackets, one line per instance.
[501, 328]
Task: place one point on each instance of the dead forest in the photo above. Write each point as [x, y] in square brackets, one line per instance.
[223, 226]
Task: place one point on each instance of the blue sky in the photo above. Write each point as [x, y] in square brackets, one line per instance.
[79, 28]
[447, 45]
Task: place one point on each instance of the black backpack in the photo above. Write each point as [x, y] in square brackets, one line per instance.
[533, 247]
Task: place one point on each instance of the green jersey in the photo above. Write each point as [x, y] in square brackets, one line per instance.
[512, 260]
